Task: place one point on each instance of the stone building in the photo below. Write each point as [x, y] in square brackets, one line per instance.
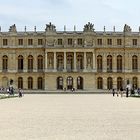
[56, 60]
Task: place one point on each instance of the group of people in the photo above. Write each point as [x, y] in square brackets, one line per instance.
[128, 91]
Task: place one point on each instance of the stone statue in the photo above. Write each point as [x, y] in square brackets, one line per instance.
[104, 28]
[89, 27]
[85, 43]
[25, 29]
[114, 28]
[127, 28]
[35, 28]
[50, 27]
[13, 28]
[64, 28]
[74, 28]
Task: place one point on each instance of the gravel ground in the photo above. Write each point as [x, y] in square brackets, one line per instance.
[70, 117]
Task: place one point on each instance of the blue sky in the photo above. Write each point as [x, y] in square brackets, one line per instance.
[101, 13]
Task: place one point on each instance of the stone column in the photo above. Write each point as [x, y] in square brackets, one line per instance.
[85, 61]
[75, 60]
[74, 82]
[46, 61]
[54, 61]
[94, 62]
[65, 61]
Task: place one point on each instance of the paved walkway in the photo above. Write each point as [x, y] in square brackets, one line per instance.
[70, 117]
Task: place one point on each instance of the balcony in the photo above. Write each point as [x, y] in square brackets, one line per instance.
[20, 70]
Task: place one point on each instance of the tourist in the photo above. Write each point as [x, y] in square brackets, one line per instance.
[127, 92]
[113, 92]
[20, 92]
[121, 91]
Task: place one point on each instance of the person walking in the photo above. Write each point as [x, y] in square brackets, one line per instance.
[20, 92]
[127, 92]
[121, 90]
[113, 92]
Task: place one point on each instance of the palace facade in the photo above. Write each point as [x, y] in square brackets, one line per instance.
[57, 60]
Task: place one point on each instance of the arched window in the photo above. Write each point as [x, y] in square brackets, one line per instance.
[79, 82]
[60, 62]
[40, 63]
[80, 62]
[40, 82]
[109, 83]
[30, 83]
[20, 82]
[30, 63]
[135, 82]
[119, 82]
[100, 83]
[119, 63]
[109, 63]
[60, 83]
[99, 63]
[4, 63]
[69, 82]
[69, 62]
[134, 63]
[20, 63]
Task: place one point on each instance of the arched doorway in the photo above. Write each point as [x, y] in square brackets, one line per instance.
[30, 83]
[109, 83]
[119, 82]
[79, 82]
[20, 82]
[135, 83]
[40, 82]
[60, 83]
[69, 82]
[100, 83]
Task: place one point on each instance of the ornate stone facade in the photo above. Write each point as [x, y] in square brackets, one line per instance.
[56, 60]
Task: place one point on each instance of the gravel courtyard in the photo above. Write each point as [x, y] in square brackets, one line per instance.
[70, 117]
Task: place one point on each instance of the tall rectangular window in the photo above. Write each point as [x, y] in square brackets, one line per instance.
[69, 41]
[99, 41]
[59, 41]
[40, 41]
[109, 41]
[80, 41]
[134, 41]
[119, 41]
[30, 41]
[5, 42]
[20, 42]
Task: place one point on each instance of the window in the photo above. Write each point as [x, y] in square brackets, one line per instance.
[20, 63]
[59, 83]
[109, 83]
[20, 82]
[30, 83]
[109, 41]
[134, 63]
[69, 82]
[59, 41]
[30, 41]
[134, 42]
[119, 63]
[40, 41]
[99, 63]
[20, 42]
[30, 63]
[99, 41]
[119, 83]
[119, 41]
[5, 42]
[40, 62]
[135, 82]
[40, 82]
[79, 82]
[60, 60]
[5, 63]
[70, 41]
[100, 83]
[80, 41]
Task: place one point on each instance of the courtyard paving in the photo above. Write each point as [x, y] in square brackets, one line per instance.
[70, 117]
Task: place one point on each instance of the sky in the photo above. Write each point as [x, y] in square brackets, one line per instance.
[38, 13]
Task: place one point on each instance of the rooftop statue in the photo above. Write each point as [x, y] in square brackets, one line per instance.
[127, 28]
[13, 28]
[89, 27]
[50, 27]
